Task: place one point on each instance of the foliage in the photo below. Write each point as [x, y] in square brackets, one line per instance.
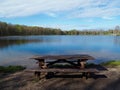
[10, 29]
[11, 69]
[111, 63]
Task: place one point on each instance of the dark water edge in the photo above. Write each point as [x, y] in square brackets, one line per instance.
[17, 50]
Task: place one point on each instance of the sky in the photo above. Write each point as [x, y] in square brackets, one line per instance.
[63, 14]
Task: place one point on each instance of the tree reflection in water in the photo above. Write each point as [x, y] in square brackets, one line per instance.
[117, 40]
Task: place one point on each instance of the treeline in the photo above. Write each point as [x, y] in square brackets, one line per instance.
[10, 29]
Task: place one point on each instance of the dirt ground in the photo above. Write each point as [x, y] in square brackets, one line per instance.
[107, 80]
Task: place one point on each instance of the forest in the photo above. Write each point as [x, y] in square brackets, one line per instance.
[7, 29]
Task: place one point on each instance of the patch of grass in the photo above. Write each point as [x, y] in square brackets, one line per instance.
[111, 63]
[11, 69]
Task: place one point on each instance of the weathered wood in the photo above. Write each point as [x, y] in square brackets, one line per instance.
[64, 70]
[63, 58]
[82, 63]
[70, 57]
[86, 75]
[37, 74]
[42, 64]
[79, 67]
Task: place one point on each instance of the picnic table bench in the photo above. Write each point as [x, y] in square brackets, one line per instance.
[77, 61]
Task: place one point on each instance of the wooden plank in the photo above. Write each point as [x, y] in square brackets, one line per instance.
[52, 57]
[63, 70]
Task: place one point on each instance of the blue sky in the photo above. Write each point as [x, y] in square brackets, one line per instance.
[63, 14]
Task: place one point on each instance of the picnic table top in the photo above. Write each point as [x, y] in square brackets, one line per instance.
[58, 57]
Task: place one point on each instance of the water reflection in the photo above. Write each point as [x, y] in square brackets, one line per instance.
[117, 40]
[19, 40]
[7, 43]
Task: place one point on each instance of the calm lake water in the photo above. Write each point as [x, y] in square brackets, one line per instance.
[16, 50]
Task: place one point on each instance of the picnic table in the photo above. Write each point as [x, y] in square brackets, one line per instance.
[77, 61]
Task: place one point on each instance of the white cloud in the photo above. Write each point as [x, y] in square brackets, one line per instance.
[51, 14]
[96, 12]
[75, 8]
[108, 18]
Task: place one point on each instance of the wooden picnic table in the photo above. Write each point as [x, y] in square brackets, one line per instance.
[45, 61]
[78, 63]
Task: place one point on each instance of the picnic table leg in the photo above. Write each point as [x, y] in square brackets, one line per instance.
[42, 64]
[81, 64]
[50, 75]
[85, 75]
[37, 74]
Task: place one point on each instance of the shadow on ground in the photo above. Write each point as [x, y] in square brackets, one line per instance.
[14, 81]
[109, 80]
[94, 76]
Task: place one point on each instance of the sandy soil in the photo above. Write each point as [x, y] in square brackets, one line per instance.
[106, 80]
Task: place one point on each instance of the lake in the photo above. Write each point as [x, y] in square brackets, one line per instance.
[16, 50]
